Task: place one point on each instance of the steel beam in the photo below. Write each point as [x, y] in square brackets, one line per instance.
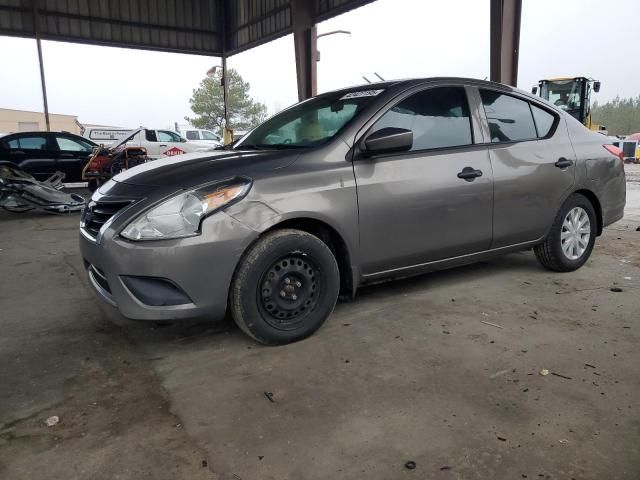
[505, 40]
[305, 45]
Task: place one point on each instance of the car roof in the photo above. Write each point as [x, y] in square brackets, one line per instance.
[42, 132]
[408, 82]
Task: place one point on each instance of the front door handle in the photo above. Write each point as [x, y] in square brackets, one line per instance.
[67, 155]
[563, 163]
[469, 174]
[163, 144]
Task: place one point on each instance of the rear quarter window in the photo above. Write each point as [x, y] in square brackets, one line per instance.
[509, 118]
[544, 121]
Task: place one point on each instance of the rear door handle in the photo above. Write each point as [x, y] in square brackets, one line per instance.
[469, 174]
[163, 144]
[67, 155]
[563, 162]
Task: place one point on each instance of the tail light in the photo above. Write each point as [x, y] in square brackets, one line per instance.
[613, 150]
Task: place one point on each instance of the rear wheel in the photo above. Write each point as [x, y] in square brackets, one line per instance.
[570, 241]
[285, 287]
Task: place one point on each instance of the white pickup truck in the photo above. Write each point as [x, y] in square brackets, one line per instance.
[158, 143]
[206, 138]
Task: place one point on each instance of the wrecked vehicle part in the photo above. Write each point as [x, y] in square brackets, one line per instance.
[106, 162]
[20, 192]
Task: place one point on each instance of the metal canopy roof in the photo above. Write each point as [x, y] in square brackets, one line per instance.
[207, 27]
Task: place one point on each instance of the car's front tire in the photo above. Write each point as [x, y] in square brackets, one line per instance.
[285, 287]
[572, 236]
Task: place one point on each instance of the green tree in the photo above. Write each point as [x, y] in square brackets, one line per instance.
[621, 116]
[208, 106]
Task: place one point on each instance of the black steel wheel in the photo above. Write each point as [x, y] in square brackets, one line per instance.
[285, 287]
[290, 290]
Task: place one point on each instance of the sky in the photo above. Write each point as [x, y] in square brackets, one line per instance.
[395, 38]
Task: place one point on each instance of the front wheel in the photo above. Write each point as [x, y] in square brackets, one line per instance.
[571, 238]
[285, 287]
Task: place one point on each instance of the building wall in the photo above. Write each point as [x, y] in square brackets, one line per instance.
[21, 120]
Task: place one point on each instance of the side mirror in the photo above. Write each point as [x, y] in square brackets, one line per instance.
[596, 86]
[534, 90]
[389, 139]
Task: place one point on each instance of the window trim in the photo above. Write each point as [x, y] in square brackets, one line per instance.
[527, 100]
[364, 131]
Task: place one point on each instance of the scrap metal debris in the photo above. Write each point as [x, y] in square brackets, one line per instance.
[410, 465]
[20, 192]
[269, 396]
[492, 324]
[52, 421]
[544, 372]
[497, 374]
[561, 376]
[616, 289]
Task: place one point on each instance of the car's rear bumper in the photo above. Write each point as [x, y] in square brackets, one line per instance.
[170, 279]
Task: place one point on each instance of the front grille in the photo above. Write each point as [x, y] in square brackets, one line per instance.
[96, 214]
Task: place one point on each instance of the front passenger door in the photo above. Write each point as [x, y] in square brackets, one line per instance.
[413, 206]
[72, 155]
[171, 144]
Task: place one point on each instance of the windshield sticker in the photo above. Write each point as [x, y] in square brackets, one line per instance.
[362, 93]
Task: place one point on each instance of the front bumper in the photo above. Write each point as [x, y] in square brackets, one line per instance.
[199, 269]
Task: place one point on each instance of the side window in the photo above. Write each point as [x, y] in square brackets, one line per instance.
[438, 117]
[150, 135]
[544, 120]
[193, 135]
[167, 136]
[509, 118]
[33, 142]
[72, 145]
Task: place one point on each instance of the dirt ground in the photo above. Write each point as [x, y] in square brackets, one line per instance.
[442, 370]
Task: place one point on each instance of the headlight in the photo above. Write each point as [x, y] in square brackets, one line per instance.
[181, 215]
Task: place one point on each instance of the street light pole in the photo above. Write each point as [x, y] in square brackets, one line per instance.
[227, 133]
[334, 32]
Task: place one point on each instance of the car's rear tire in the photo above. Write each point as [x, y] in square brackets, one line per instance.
[571, 238]
[285, 287]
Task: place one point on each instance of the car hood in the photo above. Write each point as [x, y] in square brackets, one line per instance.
[184, 171]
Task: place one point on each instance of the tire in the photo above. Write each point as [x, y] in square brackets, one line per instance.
[561, 250]
[285, 287]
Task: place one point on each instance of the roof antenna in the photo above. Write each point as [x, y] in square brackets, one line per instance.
[376, 74]
[366, 79]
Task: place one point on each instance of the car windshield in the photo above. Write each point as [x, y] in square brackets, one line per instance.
[564, 94]
[309, 123]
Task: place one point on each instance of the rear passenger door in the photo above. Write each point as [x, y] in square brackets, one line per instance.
[533, 165]
[414, 207]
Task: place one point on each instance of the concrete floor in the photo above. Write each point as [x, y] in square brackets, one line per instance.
[407, 371]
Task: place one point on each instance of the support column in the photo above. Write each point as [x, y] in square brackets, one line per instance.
[505, 40]
[305, 44]
[36, 29]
